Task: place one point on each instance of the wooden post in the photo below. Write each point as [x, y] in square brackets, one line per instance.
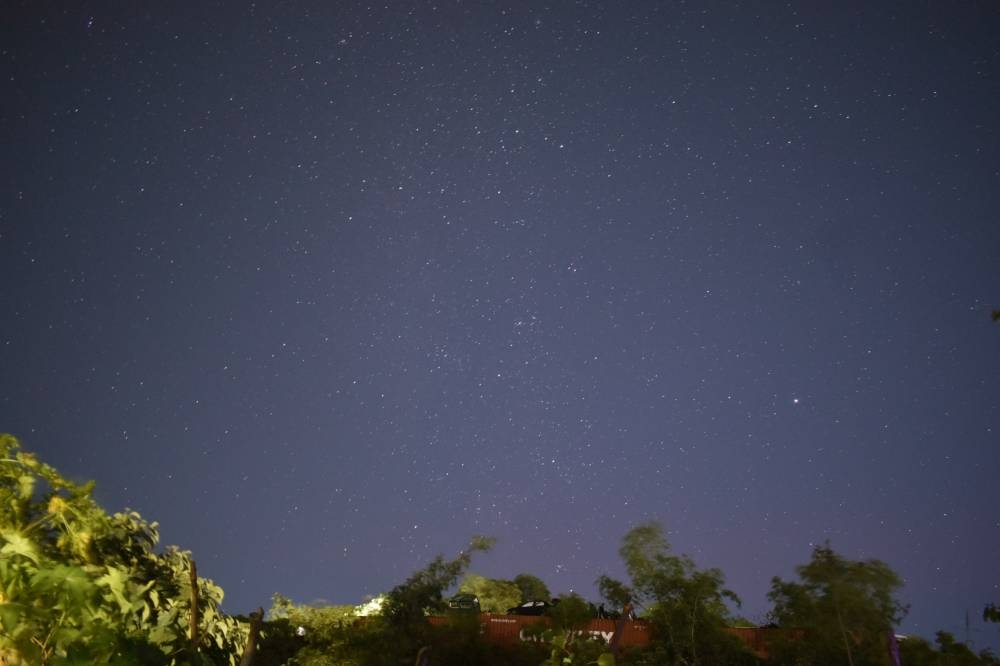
[256, 620]
[193, 637]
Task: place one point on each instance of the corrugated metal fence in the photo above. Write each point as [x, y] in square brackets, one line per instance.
[514, 628]
[510, 629]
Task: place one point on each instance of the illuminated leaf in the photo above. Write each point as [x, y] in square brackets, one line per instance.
[26, 486]
[18, 544]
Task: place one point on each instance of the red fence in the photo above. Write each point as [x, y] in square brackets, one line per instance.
[509, 629]
[758, 639]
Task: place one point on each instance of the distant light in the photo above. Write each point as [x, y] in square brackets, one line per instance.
[300, 631]
[795, 401]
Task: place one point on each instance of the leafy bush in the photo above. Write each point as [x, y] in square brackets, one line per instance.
[80, 586]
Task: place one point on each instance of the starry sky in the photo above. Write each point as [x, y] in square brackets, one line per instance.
[329, 288]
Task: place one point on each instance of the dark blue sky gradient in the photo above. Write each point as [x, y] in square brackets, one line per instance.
[329, 290]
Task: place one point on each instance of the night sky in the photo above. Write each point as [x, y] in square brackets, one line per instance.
[327, 289]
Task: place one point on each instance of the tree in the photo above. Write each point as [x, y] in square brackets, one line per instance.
[847, 607]
[915, 651]
[918, 652]
[571, 614]
[495, 595]
[422, 593]
[532, 588]
[686, 605]
[956, 653]
[80, 586]
[304, 635]
[402, 629]
[991, 613]
[615, 592]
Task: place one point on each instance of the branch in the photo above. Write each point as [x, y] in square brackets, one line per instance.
[193, 626]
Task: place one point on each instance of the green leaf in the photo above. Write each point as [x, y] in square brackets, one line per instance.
[162, 635]
[70, 584]
[116, 581]
[11, 616]
[26, 486]
[18, 544]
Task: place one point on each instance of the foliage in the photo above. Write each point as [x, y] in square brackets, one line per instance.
[302, 635]
[569, 649]
[615, 592]
[572, 613]
[372, 606]
[848, 608]
[495, 595]
[991, 613]
[422, 593]
[918, 652]
[569, 645]
[532, 588]
[80, 586]
[686, 605]
[959, 654]
[312, 635]
[402, 629]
